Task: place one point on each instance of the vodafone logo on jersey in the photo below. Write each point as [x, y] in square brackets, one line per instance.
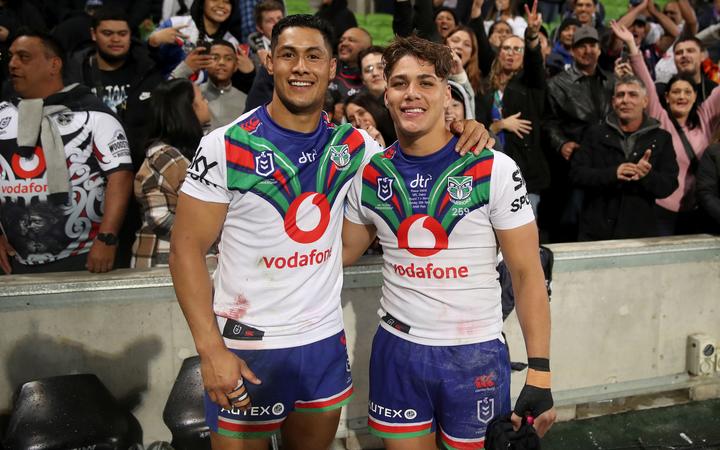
[308, 217]
[29, 167]
[422, 223]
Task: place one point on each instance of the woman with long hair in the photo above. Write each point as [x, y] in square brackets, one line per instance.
[513, 104]
[364, 111]
[464, 44]
[178, 113]
[691, 127]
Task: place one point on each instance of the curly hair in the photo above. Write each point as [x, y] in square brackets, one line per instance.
[439, 55]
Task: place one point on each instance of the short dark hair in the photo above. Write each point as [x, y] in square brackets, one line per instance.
[495, 24]
[51, 44]
[689, 37]
[439, 55]
[108, 13]
[448, 10]
[265, 6]
[302, 21]
[224, 43]
[172, 117]
[373, 49]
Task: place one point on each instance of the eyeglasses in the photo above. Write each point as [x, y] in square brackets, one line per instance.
[510, 49]
[372, 67]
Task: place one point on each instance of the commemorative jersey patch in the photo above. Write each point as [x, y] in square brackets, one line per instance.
[241, 332]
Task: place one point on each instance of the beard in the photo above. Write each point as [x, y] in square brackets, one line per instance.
[111, 59]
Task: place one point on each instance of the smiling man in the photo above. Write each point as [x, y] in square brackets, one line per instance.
[273, 184]
[66, 168]
[349, 78]
[623, 166]
[439, 364]
[689, 54]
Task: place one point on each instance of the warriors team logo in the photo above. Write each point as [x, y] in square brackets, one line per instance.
[4, 122]
[64, 119]
[264, 164]
[340, 155]
[384, 188]
[485, 409]
[459, 188]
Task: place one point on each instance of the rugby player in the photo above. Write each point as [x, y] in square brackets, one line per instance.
[438, 362]
[269, 328]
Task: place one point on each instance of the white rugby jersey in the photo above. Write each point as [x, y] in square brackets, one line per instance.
[279, 274]
[435, 217]
[41, 231]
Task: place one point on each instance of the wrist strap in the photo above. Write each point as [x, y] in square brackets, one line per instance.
[541, 364]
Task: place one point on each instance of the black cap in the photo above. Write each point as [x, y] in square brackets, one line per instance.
[585, 33]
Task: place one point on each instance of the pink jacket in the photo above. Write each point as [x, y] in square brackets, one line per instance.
[709, 111]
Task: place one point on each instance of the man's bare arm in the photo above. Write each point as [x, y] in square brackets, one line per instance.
[117, 194]
[356, 238]
[197, 226]
[520, 251]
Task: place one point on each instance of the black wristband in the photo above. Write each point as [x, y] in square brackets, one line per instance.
[540, 364]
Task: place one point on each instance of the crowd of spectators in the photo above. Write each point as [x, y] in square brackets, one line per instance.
[613, 123]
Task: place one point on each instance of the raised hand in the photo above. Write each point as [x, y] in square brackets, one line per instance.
[534, 18]
[457, 65]
[622, 68]
[199, 59]
[171, 35]
[515, 124]
[476, 9]
[643, 167]
[621, 32]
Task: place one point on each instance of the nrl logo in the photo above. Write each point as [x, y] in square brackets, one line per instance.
[340, 155]
[384, 188]
[264, 164]
[485, 409]
[4, 122]
[459, 188]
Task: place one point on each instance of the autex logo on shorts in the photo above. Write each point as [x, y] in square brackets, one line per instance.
[256, 411]
[252, 161]
[381, 411]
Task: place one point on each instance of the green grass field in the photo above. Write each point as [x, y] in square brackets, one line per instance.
[380, 25]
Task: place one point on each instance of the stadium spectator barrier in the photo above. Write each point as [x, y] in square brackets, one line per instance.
[621, 312]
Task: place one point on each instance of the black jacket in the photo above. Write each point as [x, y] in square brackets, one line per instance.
[419, 20]
[708, 184]
[524, 93]
[135, 113]
[570, 107]
[614, 209]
